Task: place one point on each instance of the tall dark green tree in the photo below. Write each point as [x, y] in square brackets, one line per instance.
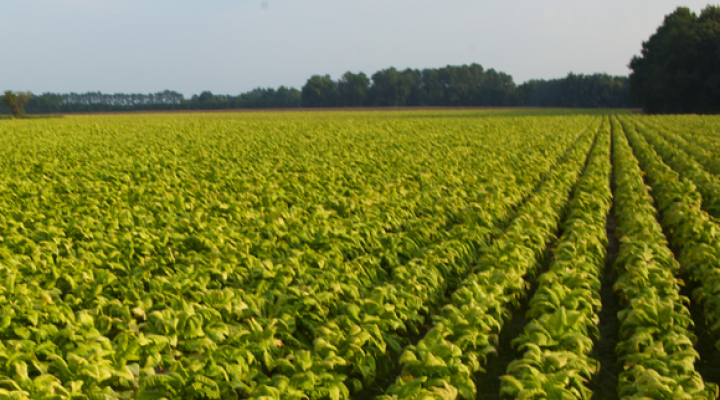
[353, 89]
[319, 91]
[493, 89]
[678, 70]
[391, 87]
[577, 90]
[433, 88]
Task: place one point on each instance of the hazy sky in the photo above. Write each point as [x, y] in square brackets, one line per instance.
[231, 46]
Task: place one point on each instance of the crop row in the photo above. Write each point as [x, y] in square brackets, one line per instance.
[361, 333]
[691, 230]
[557, 342]
[257, 208]
[706, 183]
[466, 330]
[386, 313]
[152, 271]
[699, 149]
[656, 345]
[179, 285]
[701, 131]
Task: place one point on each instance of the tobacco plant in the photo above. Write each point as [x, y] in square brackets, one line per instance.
[465, 332]
[558, 340]
[656, 342]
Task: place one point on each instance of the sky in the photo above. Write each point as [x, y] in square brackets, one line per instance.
[232, 46]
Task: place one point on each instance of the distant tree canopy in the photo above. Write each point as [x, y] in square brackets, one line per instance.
[353, 89]
[319, 91]
[464, 85]
[46, 103]
[598, 90]
[16, 101]
[679, 67]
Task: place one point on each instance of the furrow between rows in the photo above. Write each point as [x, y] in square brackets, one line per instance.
[465, 331]
[558, 341]
[656, 342]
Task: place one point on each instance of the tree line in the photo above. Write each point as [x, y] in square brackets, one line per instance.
[678, 70]
[586, 91]
[48, 103]
[465, 85]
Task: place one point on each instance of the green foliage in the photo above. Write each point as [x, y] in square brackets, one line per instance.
[16, 101]
[466, 330]
[656, 344]
[353, 89]
[577, 90]
[558, 341]
[319, 91]
[677, 71]
[297, 256]
[707, 184]
[691, 134]
[278, 256]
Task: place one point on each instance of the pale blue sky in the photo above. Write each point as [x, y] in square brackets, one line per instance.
[231, 46]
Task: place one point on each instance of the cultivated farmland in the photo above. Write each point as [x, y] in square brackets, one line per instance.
[360, 255]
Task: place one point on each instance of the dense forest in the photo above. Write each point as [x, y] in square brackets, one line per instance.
[465, 85]
[678, 70]
[599, 90]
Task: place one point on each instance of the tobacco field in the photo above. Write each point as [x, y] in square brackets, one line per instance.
[360, 255]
